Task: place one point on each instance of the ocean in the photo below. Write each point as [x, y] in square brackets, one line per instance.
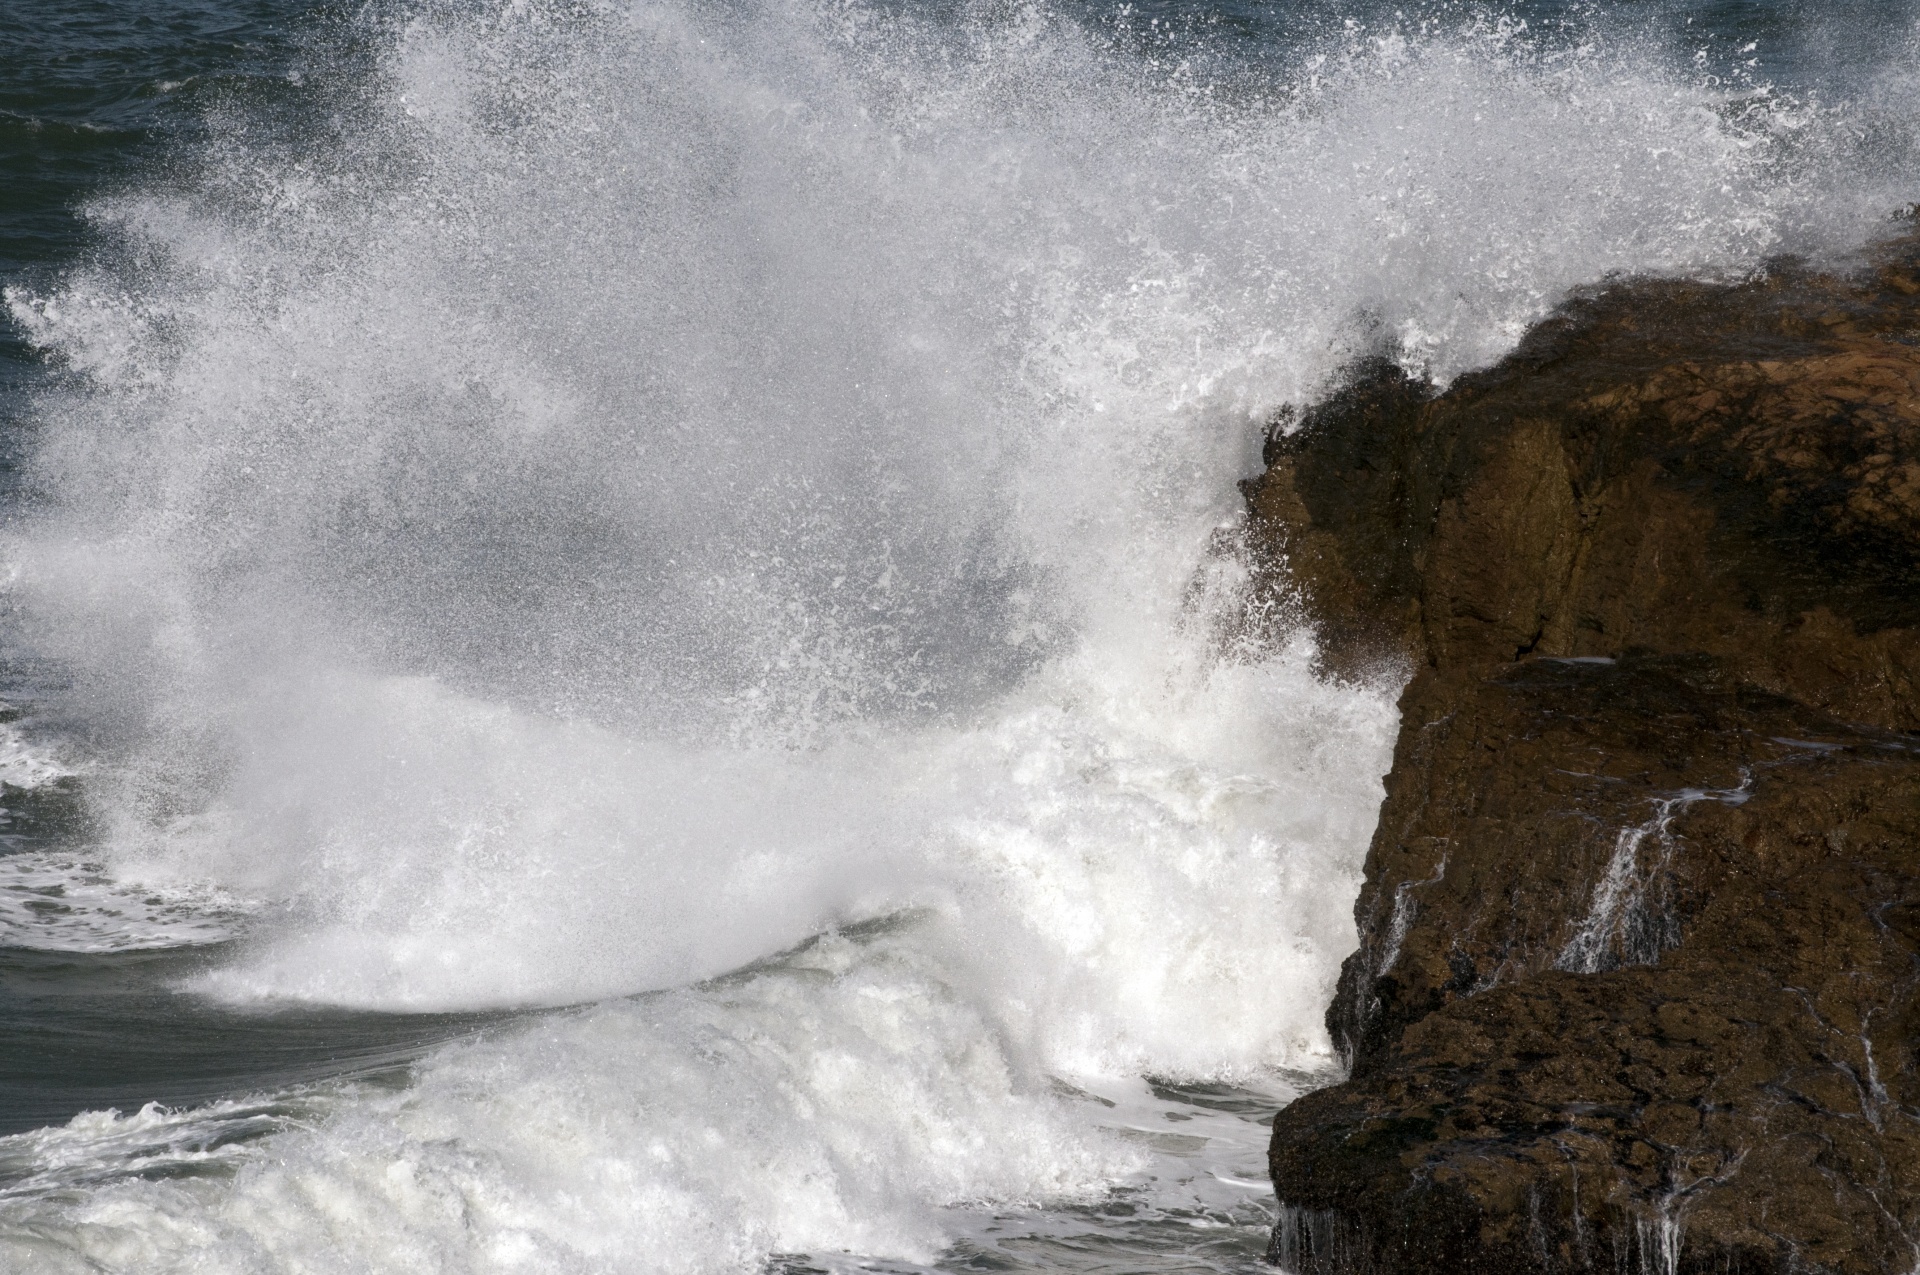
[622, 631]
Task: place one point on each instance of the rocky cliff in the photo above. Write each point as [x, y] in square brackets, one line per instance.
[1638, 986]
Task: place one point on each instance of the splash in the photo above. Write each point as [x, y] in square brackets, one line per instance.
[616, 493]
[614, 386]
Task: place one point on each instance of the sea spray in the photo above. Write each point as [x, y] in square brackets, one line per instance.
[624, 494]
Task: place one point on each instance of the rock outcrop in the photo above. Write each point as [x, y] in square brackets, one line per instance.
[1638, 986]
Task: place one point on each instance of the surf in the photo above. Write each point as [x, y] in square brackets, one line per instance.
[708, 530]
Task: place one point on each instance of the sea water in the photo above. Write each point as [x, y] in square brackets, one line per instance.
[627, 644]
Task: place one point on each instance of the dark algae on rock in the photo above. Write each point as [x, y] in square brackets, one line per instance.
[1638, 986]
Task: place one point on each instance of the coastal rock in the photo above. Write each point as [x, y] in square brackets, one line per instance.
[1640, 932]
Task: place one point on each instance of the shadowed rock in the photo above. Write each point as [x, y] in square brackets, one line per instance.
[1639, 949]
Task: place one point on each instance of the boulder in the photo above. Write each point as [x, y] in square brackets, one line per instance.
[1640, 930]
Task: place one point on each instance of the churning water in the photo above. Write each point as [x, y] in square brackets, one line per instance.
[622, 618]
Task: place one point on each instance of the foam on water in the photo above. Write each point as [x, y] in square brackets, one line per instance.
[842, 1097]
[27, 763]
[98, 1147]
[626, 491]
[54, 902]
[60, 901]
[833, 1102]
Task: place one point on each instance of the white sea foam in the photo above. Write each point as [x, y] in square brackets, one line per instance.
[51, 901]
[841, 1098]
[642, 485]
[28, 763]
[834, 1102]
[97, 1147]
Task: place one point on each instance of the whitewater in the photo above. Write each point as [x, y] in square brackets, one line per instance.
[638, 607]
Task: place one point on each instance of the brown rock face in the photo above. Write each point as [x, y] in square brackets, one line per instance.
[1639, 979]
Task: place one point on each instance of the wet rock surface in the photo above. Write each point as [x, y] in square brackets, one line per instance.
[1640, 935]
